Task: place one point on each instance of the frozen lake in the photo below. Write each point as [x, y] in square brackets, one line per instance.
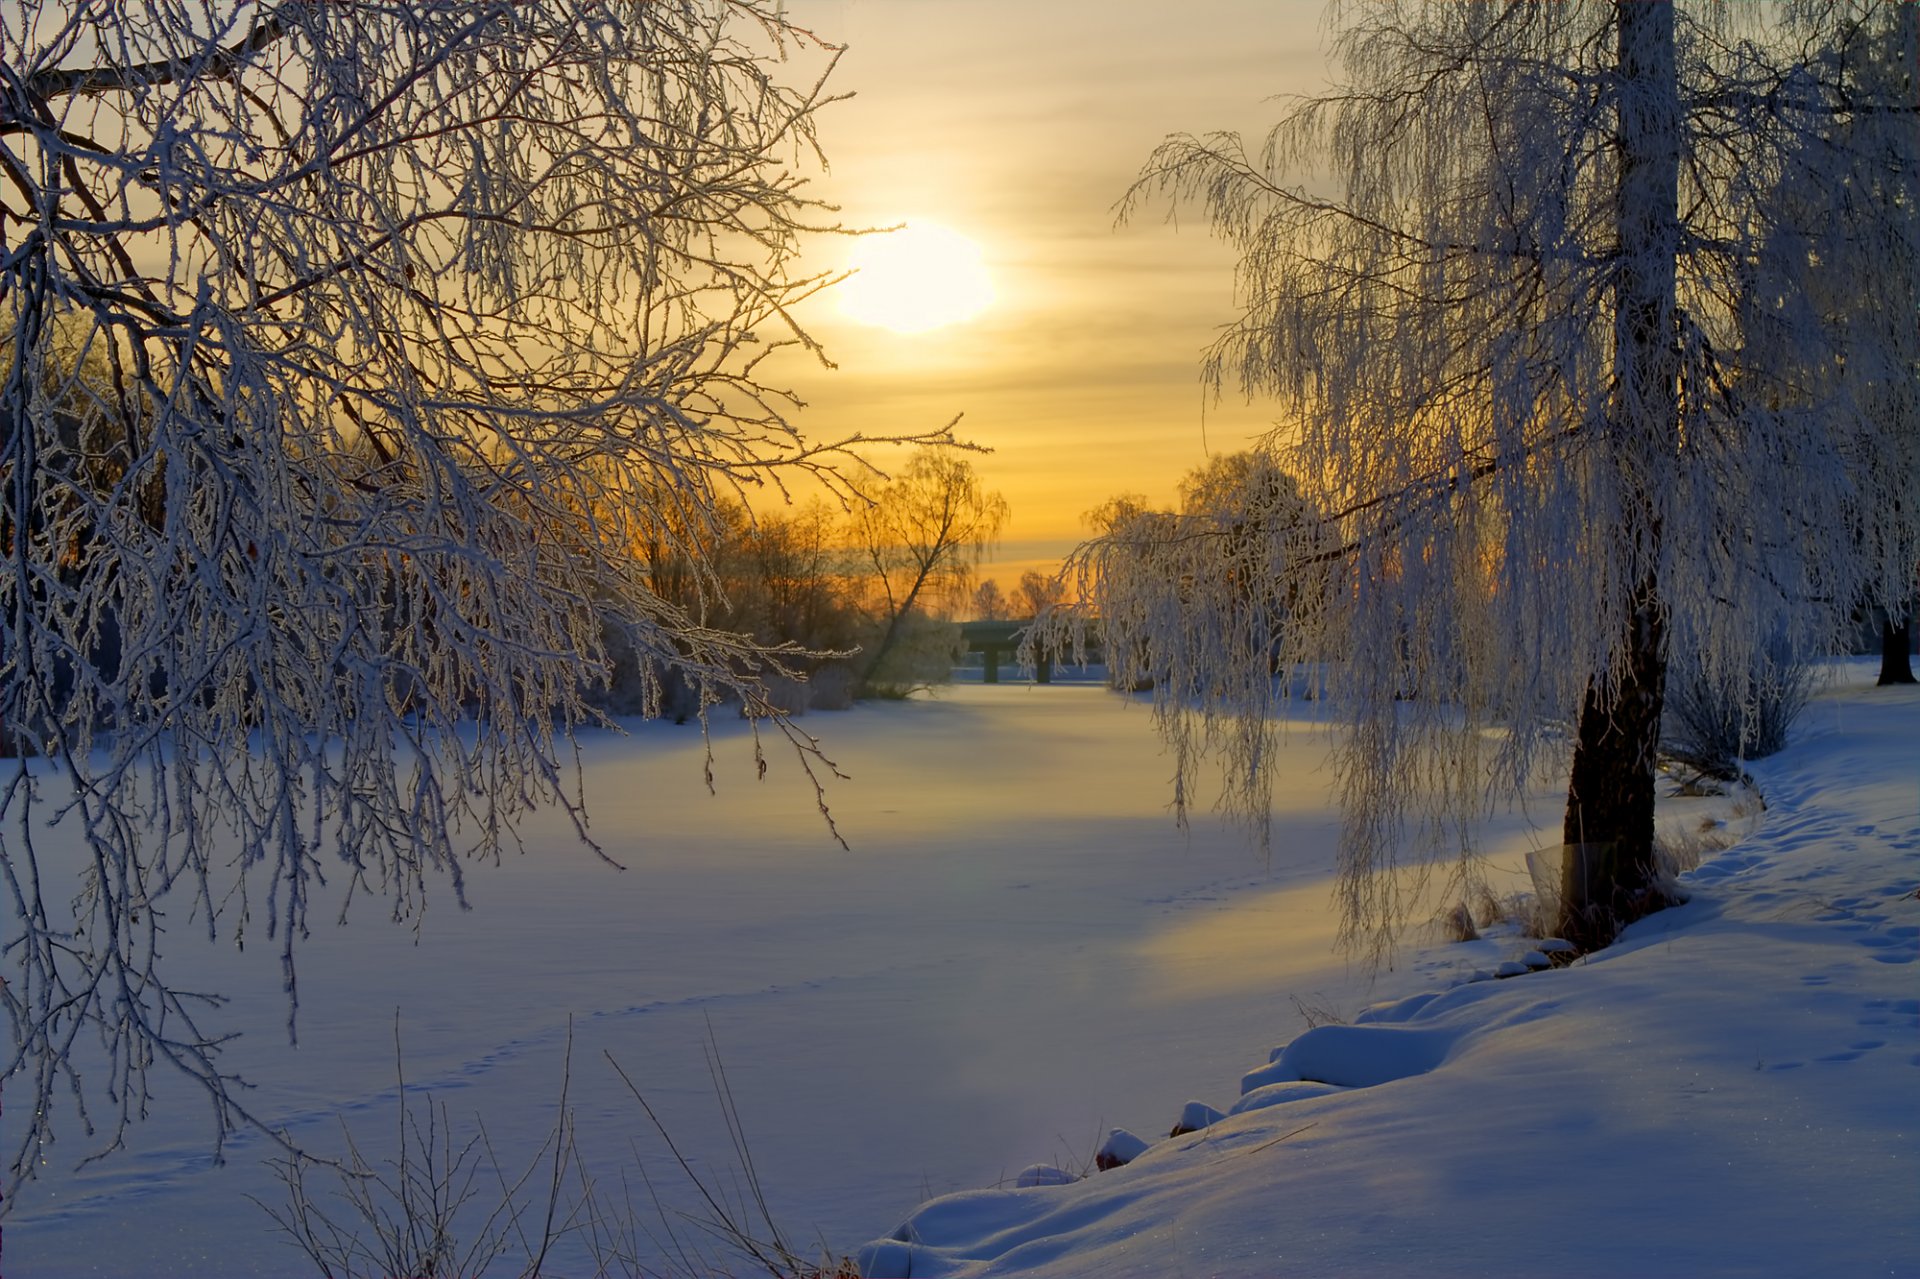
[1019, 951]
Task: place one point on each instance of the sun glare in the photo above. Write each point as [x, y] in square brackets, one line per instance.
[923, 276]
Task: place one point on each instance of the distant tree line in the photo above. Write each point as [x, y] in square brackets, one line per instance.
[852, 600]
[1034, 594]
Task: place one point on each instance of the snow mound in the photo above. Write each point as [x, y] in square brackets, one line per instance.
[1020, 1230]
[1121, 1147]
[1195, 1116]
[1363, 1056]
[1392, 1011]
[1274, 1072]
[1280, 1094]
[1043, 1175]
[1357, 1056]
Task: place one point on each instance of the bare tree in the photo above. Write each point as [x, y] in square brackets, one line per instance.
[1512, 347]
[349, 352]
[918, 540]
[989, 601]
[1037, 593]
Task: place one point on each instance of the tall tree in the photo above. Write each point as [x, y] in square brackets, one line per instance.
[1512, 349]
[397, 322]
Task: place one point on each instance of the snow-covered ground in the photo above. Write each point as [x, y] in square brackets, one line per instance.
[1020, 952]
[1732, 1089]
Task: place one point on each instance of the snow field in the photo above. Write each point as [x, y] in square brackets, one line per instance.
[1019, 953]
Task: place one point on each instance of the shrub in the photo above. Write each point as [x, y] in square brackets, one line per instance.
[1717, 719]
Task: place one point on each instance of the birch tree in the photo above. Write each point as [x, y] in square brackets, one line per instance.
[1500, 283]
[349, 350]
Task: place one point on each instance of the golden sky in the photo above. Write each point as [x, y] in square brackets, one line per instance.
[1019, 124]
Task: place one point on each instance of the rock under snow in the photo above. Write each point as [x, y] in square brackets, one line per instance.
[1044, 1175]
[1120, 1147]
[1196, 1115]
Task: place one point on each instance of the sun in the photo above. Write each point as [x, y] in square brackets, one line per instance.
[923, 276]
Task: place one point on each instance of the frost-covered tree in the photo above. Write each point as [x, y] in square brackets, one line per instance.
[1844, 216]
[1202, 605]
[1499, 281]
[349, 350]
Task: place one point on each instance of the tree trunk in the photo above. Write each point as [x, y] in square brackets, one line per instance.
[1609, 877]
[1896, 647]
[893, 624]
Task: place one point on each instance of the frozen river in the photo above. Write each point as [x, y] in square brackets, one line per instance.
[1019, 951]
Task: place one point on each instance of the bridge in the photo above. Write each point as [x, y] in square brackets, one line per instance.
[997, 638]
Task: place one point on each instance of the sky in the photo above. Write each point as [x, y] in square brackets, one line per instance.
[1020, 125]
